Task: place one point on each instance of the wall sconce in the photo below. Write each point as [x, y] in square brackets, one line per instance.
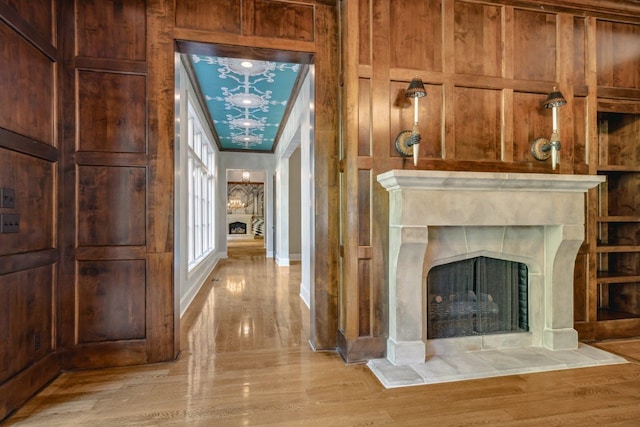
[543, 148]
[246, 176]
[407, 141]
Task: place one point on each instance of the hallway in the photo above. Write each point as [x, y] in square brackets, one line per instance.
[246, 361]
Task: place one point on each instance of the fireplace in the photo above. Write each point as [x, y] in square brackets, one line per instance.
[238, 227]
[477, 296]
[440, 217]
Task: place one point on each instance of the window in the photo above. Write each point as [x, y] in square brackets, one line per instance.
[201, 194]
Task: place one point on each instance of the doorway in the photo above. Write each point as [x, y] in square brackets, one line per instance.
[295, 132]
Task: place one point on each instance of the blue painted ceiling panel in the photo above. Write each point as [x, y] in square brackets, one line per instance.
[247, 99]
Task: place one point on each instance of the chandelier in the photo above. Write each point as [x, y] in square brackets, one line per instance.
[234, 204]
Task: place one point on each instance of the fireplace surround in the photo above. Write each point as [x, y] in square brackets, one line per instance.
[438, 217]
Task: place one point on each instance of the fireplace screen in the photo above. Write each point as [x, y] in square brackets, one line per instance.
[237, 228]
[477, 296]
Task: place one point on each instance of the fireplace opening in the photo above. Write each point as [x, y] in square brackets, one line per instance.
[477, 296]
[237, 228]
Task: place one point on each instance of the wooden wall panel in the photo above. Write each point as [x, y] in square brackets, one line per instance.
[283, 20]
[37, 13]
[111, 205]
[364, 49]
[111, 300]
[27, 95]
[33, 182]
[220, 15]
[579, 142]
[618, 54]
[532, 121]
[535, 45]
[477, 124]
[26, 321]
[28, 164]
[115, 105]
[580, 289]
[111, 29]
[364, 117]
[416, 35]
[579, 51]
[478, 39]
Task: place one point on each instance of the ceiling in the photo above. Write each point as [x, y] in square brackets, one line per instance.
[247, 100]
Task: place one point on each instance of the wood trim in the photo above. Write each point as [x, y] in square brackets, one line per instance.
[269, 43]
[105, 354]
[22, 27]
[93, 158]
[21, 387]
[22, 144]
[111, 65]
[85, 253]
[28, 260]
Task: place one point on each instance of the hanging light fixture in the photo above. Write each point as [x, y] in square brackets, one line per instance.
[408, 141]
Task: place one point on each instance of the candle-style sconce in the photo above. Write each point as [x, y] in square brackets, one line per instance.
[543, 148]
[408, 141]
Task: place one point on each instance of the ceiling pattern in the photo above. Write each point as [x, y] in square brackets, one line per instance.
[246, 99]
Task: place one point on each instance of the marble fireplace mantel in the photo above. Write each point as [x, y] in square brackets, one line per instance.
[436, 217]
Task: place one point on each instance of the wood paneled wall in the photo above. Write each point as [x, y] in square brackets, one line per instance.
[29, 157]
[487, 67]
[87, 143]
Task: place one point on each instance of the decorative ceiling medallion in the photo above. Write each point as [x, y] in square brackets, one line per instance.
[247, 99]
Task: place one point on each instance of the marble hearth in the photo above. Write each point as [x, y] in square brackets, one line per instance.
[438, 217]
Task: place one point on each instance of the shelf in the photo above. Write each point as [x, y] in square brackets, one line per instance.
[618, 218]
[617, 248]
[607, 277]
[618, 168]
[607, 314]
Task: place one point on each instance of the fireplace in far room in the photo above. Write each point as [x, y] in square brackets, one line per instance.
[237, 228]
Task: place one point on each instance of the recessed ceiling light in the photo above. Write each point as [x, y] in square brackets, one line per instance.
[246, 101]
[246, 64]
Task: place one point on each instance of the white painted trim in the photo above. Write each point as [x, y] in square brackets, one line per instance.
[196, 278]
[282, 261]
[305, 294]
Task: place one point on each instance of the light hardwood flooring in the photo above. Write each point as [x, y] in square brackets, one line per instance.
[246, 362]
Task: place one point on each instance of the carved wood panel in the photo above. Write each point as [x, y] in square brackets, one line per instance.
[115, 105]
[111, 300]
[283, 20]
[111, 205]
[535, 45]
[37, 13]
[477, 124]
[27, 95]
[33, 182]
[415, 32]
[478, 39]
[112, 29]
[26, 319]
[618, 54]
[219, 15]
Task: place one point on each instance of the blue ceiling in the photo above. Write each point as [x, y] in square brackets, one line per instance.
[247, 99]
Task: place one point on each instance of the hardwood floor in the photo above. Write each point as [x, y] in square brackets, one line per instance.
[246, 361]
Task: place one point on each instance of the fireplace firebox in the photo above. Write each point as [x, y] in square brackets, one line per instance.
[237, 228]
[477, 296]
